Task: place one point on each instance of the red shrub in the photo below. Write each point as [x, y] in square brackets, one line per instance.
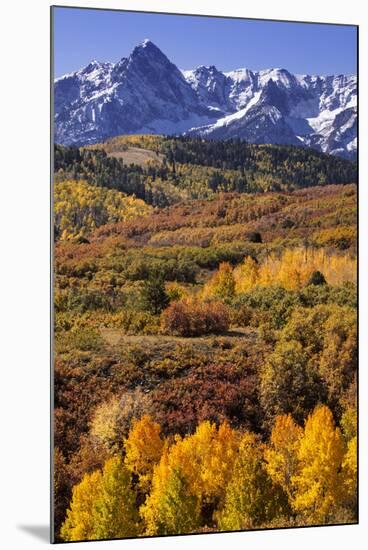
[215, 392]
[187, 318]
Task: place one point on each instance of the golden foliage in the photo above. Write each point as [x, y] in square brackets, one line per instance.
[304, 352]
[213, 450]
[121, 143]
[222, 284]
[293, 269]
[319, 483]
[350, 472]
[340, 237]
[219, 477]
[80, 523]
[247, 275]
[176, 291]
[80, 207]
[102, 506]
[143, 449]
[171, 507]
[115, 514]
[349, 423]
[202, 463]
[282, 453]
[251, 498]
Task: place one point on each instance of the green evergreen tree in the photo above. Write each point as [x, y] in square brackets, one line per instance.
[154, 297]
[317, 278]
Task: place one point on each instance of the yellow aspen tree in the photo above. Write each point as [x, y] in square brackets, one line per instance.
[80, 521]
[220, 460]
[251, 498]
[292, 266]
[349, 422]
[246, 275]
[102, 506]
[114, 509]
[222, 284]
[350, 475]
[180, 510]
[150, 510]
[143, 449]
[206, 458]
[171, 508]
[266, 273]
[281, 454]
[319, 484]
[80, 207]
[203, 463]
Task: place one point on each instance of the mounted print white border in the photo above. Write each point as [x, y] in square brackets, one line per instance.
[25, 279]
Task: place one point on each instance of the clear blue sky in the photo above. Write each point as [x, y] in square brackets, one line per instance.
[188, 41]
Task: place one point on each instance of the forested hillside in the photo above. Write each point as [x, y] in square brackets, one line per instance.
[80, 207]
[184, 168]
[205, 339]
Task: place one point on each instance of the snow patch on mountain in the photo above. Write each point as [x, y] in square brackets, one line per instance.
[227, 120]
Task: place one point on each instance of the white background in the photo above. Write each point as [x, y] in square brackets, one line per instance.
[24, 271]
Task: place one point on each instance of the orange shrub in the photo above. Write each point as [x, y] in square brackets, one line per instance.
[341, 237]
[189, 318]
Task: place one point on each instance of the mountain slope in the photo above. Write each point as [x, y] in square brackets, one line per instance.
[276, 107]
[146, 93]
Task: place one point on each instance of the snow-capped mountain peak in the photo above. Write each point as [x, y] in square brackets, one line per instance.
[146, 92]
[147, 48]
[239, 75]
[281, 77]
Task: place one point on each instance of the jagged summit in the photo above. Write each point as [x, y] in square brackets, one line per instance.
[147, 46]
[147, 93]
